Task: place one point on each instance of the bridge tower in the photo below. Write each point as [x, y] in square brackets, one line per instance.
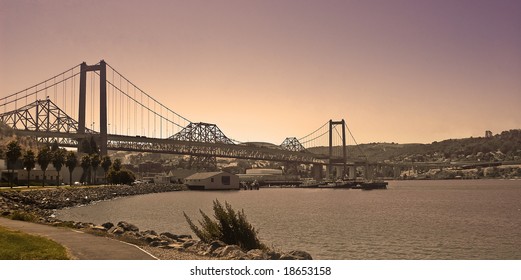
[102, 68]
[343, 160]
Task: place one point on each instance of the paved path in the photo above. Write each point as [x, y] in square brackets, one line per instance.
[82, 246]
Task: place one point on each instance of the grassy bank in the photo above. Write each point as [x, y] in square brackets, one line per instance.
[15, 245]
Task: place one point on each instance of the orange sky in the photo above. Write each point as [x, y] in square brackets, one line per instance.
[397, 71]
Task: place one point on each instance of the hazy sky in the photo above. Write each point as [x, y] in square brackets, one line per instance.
[402, 71]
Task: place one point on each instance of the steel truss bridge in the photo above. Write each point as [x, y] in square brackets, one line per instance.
[125, 118]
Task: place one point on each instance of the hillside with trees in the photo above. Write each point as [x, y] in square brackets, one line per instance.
[505, 146]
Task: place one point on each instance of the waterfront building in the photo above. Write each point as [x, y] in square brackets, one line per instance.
[220, 180]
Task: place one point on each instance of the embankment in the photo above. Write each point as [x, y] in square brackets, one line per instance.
[38, 206]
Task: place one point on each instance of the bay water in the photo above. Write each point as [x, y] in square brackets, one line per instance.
[457, 219]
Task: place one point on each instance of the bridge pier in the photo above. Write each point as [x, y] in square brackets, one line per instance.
[317, 171]
[102, 68]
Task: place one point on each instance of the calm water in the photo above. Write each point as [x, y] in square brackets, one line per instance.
[410, 220]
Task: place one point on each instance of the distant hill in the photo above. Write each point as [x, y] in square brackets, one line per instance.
[7, 135]
[505, 146]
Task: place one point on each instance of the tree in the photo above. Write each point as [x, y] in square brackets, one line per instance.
[55, 147]
[84, 146]
[116, 165]
[94, 149]
[94, 163]
[71, 162]
[29, 163]
[105, 164]
[85, 165]
[44, 158]
[120, 176]
[58, 159]
[13, 153]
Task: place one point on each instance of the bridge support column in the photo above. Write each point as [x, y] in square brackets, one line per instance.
[102, 68]
[83, 98]
[103, 108]
[317, 171]
[344, 147]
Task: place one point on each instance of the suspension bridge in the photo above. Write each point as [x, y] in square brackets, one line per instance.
[98, 102]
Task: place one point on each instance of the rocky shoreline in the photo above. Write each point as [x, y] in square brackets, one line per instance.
[39, 206]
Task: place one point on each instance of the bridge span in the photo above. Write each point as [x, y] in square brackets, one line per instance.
[61, 108]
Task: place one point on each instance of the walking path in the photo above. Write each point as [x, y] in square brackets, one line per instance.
[82, 246]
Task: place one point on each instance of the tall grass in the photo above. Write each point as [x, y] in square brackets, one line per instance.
[16, 245]
[230, 227]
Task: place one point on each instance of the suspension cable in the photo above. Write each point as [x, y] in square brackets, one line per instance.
[143, 92]
[155, 113]
[304, 142]
[358, 146]
[34, 93]
[16, 93]
[314, 131]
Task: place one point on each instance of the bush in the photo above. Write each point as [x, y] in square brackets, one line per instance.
[120, 177]
[23, 216]
[231, 227]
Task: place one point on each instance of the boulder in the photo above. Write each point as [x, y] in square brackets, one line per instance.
[107, 225]
[296, 255]
[175, 246]
[257, 254]
[149, 238]
[229, 250]
[152, 232]
[237, 255]
[98, 228]
[117, 231]
[169, 235]
[272, 255]
[188, 243]
[213, 246]
[127, 226]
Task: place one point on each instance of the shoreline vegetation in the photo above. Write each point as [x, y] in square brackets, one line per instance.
[38, 205]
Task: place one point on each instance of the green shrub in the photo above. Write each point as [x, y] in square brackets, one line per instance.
[23, 216]
[230, 227]
[120, 177]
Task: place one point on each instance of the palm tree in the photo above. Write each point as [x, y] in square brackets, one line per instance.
[105, 164]
[29, 162]
[85, 165]
[44, 158]
[71, 162]
[58, 159]
[94, 163]
[13, 153]
[116, 165]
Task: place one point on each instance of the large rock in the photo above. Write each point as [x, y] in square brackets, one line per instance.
[149, 238]
[169, 235]
[188, 243]
[257, 254]
[214, 245]
[127, 226]
[107, 225]
[296, 255]
[232, 252]
[152, 232]
[98, 228]
[117, 231]
[272, 255]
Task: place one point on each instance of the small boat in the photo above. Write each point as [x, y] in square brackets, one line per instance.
[309, 184]
[372, 185]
